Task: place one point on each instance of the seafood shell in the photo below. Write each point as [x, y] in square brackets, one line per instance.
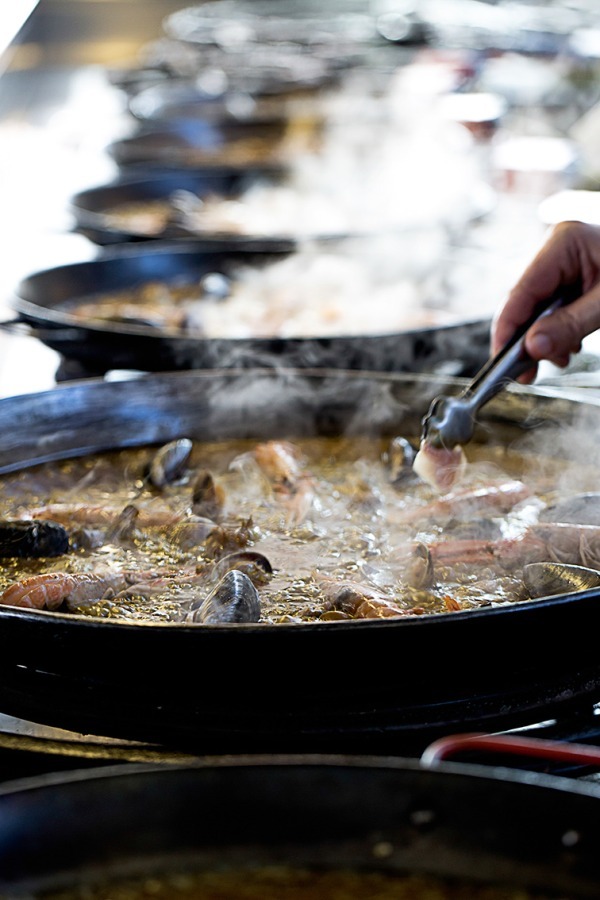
[401, 457]
[234, 600]
[545, 579]
[169, 462]
[33, 538]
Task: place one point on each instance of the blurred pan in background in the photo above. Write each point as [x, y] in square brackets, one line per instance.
[58, 306]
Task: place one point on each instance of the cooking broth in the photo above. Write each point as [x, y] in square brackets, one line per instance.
[284, 883]
[325, 529]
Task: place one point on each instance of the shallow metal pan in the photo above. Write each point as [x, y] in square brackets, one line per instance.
[173, 100]
[193, 143]
[272, 26]
[287, 687]
[44, 302]
[89, 207]
[392, 815]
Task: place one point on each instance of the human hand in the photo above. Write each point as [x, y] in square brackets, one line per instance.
[570, 259]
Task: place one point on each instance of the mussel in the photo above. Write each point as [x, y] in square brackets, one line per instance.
[35, 538]
[252, 563]
[208, 497]
[419, 569]
[400, 458]
[169, 462]
[234, 600]
[546, 579]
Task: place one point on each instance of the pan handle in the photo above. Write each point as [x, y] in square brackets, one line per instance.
[16, 327]
[556, 751]
[20, 328]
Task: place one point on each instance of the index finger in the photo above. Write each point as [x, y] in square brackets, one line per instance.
[554, 266]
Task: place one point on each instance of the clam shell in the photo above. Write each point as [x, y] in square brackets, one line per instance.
[546, 579]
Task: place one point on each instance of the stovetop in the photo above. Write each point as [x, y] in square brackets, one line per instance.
[28, 748]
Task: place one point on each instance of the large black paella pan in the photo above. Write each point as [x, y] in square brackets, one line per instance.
[322, 684]
[366, 821]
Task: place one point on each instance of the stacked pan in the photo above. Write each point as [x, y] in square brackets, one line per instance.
[223, 187]
[310, 823]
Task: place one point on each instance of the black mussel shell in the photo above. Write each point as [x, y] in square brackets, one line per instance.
[401, 456]
[169, 462]
[234, 600]
[35, 538]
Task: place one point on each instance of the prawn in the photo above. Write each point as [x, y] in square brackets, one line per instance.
[50, 590]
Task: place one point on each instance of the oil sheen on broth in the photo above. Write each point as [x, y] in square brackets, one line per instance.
[314, 530]
[287, 883]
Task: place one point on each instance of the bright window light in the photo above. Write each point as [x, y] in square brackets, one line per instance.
[12, 16]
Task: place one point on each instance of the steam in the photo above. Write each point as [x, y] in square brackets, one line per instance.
[376, 208]
[562, 445]
[325, 292]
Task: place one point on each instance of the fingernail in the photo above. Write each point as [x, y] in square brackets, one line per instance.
[540, 346]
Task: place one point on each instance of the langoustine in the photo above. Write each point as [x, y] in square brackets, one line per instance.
[100, 516]
[91, 526]
[494, 499]
[50, 590]
[280, 462]
[354, 600]
[557, 542]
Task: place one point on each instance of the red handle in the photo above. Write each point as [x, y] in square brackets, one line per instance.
[557, 751]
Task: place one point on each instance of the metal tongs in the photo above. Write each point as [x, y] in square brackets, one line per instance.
[451, 420]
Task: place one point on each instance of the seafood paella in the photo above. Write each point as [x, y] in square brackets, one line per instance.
[315, 529]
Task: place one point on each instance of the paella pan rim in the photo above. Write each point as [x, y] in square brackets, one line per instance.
[223, 250]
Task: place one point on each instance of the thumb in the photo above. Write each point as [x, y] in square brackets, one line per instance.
[556, 336]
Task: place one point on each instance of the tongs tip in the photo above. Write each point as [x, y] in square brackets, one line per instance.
[449, 421]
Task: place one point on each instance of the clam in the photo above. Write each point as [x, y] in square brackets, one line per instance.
[191, 533]
[545, 579]
[252, 563]
[419, 570]
[123, 528]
